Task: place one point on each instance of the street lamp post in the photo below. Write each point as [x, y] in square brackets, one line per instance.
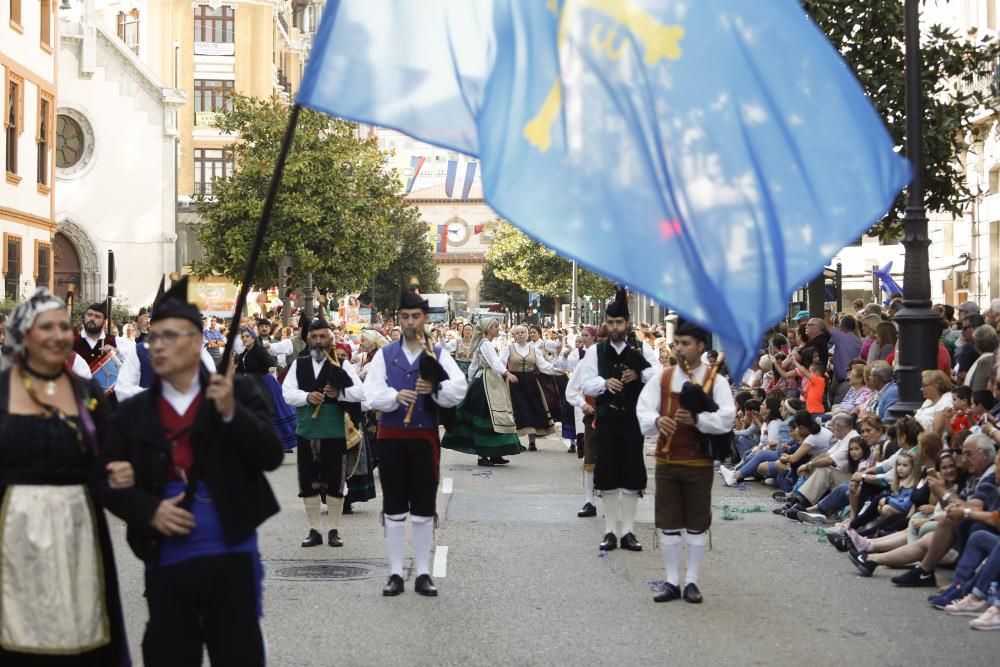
[919, 325]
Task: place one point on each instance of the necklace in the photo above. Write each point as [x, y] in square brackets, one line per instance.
[50, 379]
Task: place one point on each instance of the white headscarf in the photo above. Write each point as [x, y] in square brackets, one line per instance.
[24, 316]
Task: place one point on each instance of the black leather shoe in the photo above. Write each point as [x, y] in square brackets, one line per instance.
[314, 539]
[333, 539]
[571, 450]
[669, 592]
[485, 462]
[587, 510]
[394, 586]
[692, 594]
[523, 448]
[532, 447]
[610, 542]
[630, 543]
[348, 509]
[498, 461]
[425, 586]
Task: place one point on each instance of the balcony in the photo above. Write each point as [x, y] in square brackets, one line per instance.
[283, 23]
[206, 118]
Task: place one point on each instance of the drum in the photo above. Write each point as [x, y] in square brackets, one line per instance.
[105, 371]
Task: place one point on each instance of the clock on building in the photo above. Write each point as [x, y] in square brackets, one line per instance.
[458, 232]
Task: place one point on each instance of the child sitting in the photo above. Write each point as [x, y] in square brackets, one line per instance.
[961, 405]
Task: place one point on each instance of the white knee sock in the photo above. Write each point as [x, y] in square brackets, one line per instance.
[695, 554]
[423, 538]
[670, 545]
[611, 503]
[588, 486]
[335, 510]
[312, 511]
[630, 499]
[395, 537]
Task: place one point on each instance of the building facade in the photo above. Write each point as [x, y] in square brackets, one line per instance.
[28, 39]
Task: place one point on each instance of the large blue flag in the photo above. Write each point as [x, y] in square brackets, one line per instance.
[714, 154]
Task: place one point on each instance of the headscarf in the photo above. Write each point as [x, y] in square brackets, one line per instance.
[247, 330]
[479, 334]
[374, 337]
[592, 330]
[24, 316]
[345, 347]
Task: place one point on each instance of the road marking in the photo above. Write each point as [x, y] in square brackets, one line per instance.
[448, 485]
[441, 562]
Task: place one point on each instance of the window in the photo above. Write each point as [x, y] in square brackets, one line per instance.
[44, 137]
[45, 25]
[43, 265]
[12, 120]
[214, 25]
[15, 12]
[128, 29]
[11, 266]
[211, 95]
[209, 164]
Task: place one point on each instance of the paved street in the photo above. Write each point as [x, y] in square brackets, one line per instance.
[526, 585]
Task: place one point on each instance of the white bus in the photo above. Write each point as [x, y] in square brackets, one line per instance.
[441, 308]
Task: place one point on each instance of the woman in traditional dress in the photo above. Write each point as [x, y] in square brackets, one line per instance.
[360, 466]
[58, 583]
[484, 423]
[255, 361]
[463, 349]
[531, 409]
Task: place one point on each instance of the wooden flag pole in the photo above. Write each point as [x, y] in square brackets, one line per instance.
[258, 242]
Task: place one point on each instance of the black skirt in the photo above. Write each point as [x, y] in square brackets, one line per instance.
[531, 414]
[620, 460]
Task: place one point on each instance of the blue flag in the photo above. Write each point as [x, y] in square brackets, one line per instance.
[449, 181]
[714, 154]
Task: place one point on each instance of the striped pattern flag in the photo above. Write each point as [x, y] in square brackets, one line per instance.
[449, 181]
[470, 175]
[416, 162]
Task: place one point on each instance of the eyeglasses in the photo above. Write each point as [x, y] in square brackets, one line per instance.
[169, 336]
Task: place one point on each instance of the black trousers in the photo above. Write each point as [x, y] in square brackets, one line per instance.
[408, 471]
[206, 602]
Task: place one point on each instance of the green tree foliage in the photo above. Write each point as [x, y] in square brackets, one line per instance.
[336, 211]
[415, 260]
[507, 293]
[515, 257]
[870, 36]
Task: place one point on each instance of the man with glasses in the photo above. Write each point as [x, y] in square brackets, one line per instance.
[199, 448]
[966, 353]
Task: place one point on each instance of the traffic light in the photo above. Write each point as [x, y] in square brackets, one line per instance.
[285, 277]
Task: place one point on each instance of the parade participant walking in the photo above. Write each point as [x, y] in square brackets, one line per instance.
[463, 348]
[319, 386]
[256, 362]
[613, 372]
[583, 408]
[57, 583]
[200, 449]
[532, 413]
[410, 389]
[683, 467]
[92, 343]
[484, 422]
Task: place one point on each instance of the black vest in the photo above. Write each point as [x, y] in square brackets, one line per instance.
[611, 365]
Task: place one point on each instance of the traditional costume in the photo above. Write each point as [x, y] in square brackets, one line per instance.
[586, 443]
[204, 589]
[58, 586]
[104, 366]
[620, 468]
[408, 448]
[463, 355]
[683, 467]
[532, 411]
[256, 361]
[484, 423]
[322, 434]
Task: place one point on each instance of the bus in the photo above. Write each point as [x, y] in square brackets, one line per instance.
[441, 309]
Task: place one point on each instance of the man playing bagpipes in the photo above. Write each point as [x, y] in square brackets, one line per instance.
[324, 391]
[613, 372]
[411, 384]
[690, 408]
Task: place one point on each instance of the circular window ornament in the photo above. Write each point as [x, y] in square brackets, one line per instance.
[74, 142]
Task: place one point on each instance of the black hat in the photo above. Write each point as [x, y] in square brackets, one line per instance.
[412, 299]
[317, 324]
[687, 328]
[173, 303]
[98, 307]
[619, 307]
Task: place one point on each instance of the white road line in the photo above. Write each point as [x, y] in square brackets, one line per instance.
[448, 485]
[440, 562]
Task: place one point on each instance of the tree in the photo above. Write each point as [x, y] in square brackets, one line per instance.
[871, 38]
[515, 257]
[415, 260]
[507, 293]
[335, 212]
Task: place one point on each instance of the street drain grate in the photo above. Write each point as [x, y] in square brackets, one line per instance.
[325, 572]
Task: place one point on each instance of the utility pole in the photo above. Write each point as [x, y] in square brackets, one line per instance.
[574, 311]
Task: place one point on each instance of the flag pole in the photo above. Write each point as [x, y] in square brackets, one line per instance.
[258, 241]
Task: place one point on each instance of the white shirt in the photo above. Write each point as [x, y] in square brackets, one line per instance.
[380, 396]
[541, 362]
[280, 349]
[593, 384]
[715, 423]
[492, 359]
[180, 402]
[81, 368]
[296, 397]
[130, 372]
[925, 415]
[839, 451]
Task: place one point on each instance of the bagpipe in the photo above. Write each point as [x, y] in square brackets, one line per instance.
[630, 359]
[338, 378]
[696, 399]
[431, 371]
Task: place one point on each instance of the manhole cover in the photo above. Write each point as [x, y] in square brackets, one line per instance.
[325, 571]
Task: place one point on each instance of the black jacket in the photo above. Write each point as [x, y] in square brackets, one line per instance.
[255, 360]
[230, 459]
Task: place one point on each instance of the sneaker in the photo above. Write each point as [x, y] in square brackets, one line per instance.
[723, 469]
[916, 578]
[836, 529]
[728, 476]
[751, 478]
[860, 561]
[839, 541]
[812, 517]
[780, 496]
[970, 605]
[990, 620]
[770, 481]
[941, 600]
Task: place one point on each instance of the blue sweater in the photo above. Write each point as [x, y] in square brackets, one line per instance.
[901, 500]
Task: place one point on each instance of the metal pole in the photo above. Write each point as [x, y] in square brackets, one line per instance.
[574, 308]
[308, 295]
[374, 310]
[111, 289]
[919, 326]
